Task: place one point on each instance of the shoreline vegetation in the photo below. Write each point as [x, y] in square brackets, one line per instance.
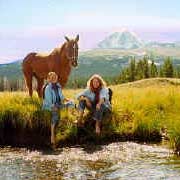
[146, 110]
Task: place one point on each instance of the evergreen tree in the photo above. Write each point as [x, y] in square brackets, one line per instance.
[124, 75]
[1, 84]
[139, 70]
[145, 68]
[153, 70]
[168, 69]
[161, 74]
[132, 70]
[177, 72]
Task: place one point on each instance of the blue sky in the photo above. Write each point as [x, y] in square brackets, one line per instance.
[39, 25]
[20, 14]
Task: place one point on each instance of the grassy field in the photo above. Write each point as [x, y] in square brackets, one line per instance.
[146, 110]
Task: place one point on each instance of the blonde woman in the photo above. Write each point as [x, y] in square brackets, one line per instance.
[96, 99]
[53, 101]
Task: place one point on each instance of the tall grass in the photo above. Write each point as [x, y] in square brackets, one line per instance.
[149, 112]
[139, 113]
[21, 119]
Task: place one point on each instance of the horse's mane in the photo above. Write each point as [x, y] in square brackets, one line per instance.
[58, 50]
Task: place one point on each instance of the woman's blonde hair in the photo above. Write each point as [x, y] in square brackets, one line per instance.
[99, 78]
[50, 76]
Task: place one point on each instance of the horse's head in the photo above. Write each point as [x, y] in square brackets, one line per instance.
[72, 50]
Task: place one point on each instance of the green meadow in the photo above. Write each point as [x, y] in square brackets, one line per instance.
[146, 111]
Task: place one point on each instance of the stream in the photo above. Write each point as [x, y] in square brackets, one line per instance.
[120, 160]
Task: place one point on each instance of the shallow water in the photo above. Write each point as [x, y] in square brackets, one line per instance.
[123, 160]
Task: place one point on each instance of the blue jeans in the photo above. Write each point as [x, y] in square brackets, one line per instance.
[97, 114]
[55, 115]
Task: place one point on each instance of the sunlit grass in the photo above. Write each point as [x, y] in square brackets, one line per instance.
[149, 111]
[139, 113]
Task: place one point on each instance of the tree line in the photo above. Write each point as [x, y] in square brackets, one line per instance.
[145, 68]
[11, 84]
[136, 70]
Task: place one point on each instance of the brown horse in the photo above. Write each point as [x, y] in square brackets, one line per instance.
[60, 61]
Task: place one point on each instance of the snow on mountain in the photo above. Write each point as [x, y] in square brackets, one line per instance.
[121, 40]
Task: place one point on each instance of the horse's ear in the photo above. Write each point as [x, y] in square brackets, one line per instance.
[67, 38]
[77, 38]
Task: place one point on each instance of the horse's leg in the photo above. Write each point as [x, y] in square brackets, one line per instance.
[40, 83]
[28, 79]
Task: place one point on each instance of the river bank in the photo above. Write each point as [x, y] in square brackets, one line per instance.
[143, 113]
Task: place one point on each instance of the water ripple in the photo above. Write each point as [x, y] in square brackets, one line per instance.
[123, 160]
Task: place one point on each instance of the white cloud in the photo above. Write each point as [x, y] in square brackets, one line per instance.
[98, 20]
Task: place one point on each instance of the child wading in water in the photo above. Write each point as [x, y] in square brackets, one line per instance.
[53, 101]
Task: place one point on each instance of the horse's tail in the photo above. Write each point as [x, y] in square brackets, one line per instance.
[28, 71]
[28, 57]
[26, 64]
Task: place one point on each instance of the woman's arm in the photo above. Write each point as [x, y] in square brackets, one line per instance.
[98, 105]
[103, 96]
[83, 94]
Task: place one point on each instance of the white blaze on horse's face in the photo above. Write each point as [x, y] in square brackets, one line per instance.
[75, 54]
[72, 51]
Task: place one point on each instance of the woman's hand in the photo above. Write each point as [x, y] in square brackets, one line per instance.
[88, 102]
[98, 106]
[82, 98]
[67, 100]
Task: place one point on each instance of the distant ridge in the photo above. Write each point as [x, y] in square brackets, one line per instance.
[161, 82]
[18, 61]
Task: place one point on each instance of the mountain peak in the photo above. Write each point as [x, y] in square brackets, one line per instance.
[121, 39]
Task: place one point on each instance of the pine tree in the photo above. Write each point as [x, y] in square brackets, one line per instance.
[139, 70]
[161, 74]
[124, 75]
[153, 70]
[177, 72]
[145, 68]
[132, 70]
[1, 84]
[168, 69]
